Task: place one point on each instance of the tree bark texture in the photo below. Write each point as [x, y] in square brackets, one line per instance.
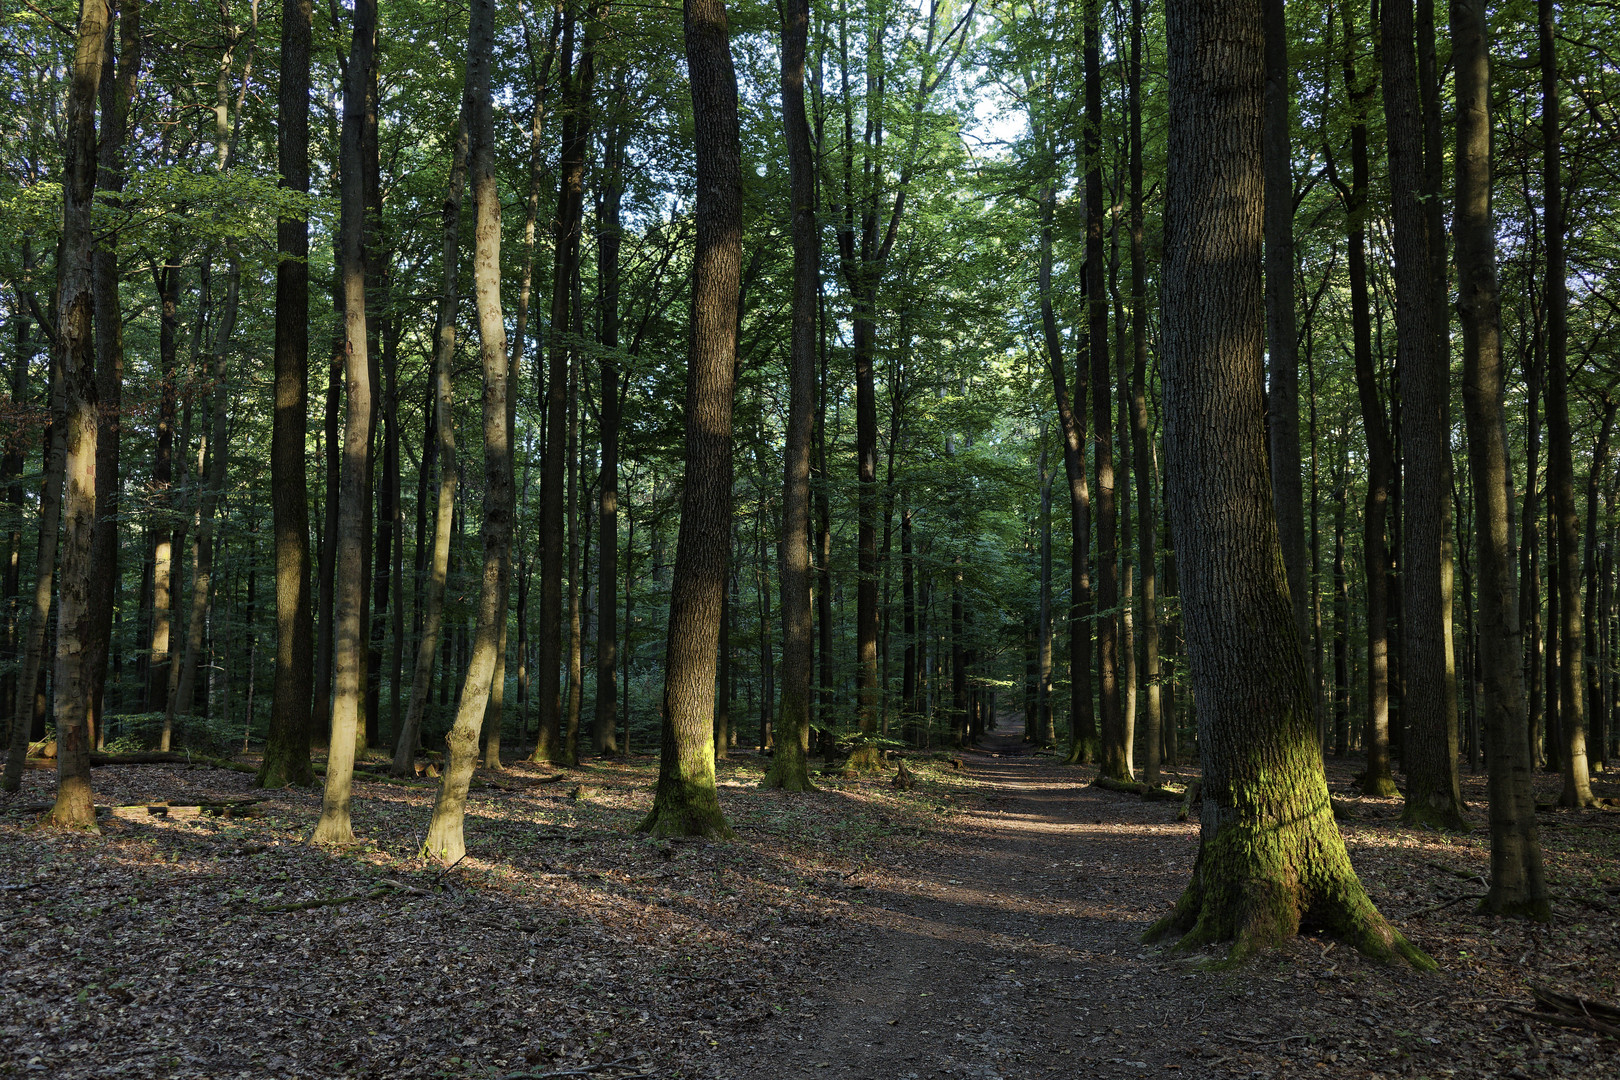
[686, 801]
[1270, 857]
[1433, 794]
[1561, 479]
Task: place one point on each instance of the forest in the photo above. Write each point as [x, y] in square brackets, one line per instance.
[827, 538]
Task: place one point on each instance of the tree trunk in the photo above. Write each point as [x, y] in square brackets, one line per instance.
[609, 241]
[576, 669]
[789, 767]
[1270, 857]
[1282, 336]
[286, 752]
[76, 344]
[348, 621]
[1071, 426]
[686, 802]
[1141, 448]
[1594, 645]
[117, 94]
[168, 289]
[444, 351]
[1572, 714]
[1518, 884]
[1114, 761]
[1429, 718]
[444, 837]
[577, 84]
[1377, 780]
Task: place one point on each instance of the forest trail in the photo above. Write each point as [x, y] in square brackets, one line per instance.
[1010, 945]
[1007, 945]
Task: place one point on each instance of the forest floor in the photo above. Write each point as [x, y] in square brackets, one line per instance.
[985, 925]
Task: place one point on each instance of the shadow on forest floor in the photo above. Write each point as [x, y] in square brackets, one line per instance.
[986, 924]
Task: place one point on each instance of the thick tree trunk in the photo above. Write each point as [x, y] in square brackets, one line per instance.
[789, 767]
[686, 802]
[349, 662]
[1270, 858]
[444, 351]
[1518, 884]
[286, 751]
[444, 838]
[1593, 644]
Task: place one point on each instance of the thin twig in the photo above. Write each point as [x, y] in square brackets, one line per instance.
[584, 1071]
[1268, 1042]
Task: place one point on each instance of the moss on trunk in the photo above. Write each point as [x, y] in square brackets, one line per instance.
[1272, 863]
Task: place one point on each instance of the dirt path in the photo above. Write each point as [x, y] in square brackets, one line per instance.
[1028, 911]
[1008, 946]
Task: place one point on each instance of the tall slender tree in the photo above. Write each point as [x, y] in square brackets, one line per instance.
[1518, 883]
[686, 802]
[444, 837]
[349, 661]
[789, 764]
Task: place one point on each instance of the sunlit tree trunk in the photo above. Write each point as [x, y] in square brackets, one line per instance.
[77, 346]
[444, 838]
[349, 662]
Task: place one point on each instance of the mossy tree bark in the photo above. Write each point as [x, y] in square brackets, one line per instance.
[445, 839]
[1270, 859]
[1518, 883]
[790, 769]
[686, 802]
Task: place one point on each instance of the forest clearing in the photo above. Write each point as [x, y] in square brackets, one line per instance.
[985, 924]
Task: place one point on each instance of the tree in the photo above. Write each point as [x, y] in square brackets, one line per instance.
[286, 751]
[444, 351]
[349, 663]
[444, 837]
[1518, 882]
[75, 321]
[1561, 474]
[1423, 366]
[1270, 857]
[686, 802]
[789, 766]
